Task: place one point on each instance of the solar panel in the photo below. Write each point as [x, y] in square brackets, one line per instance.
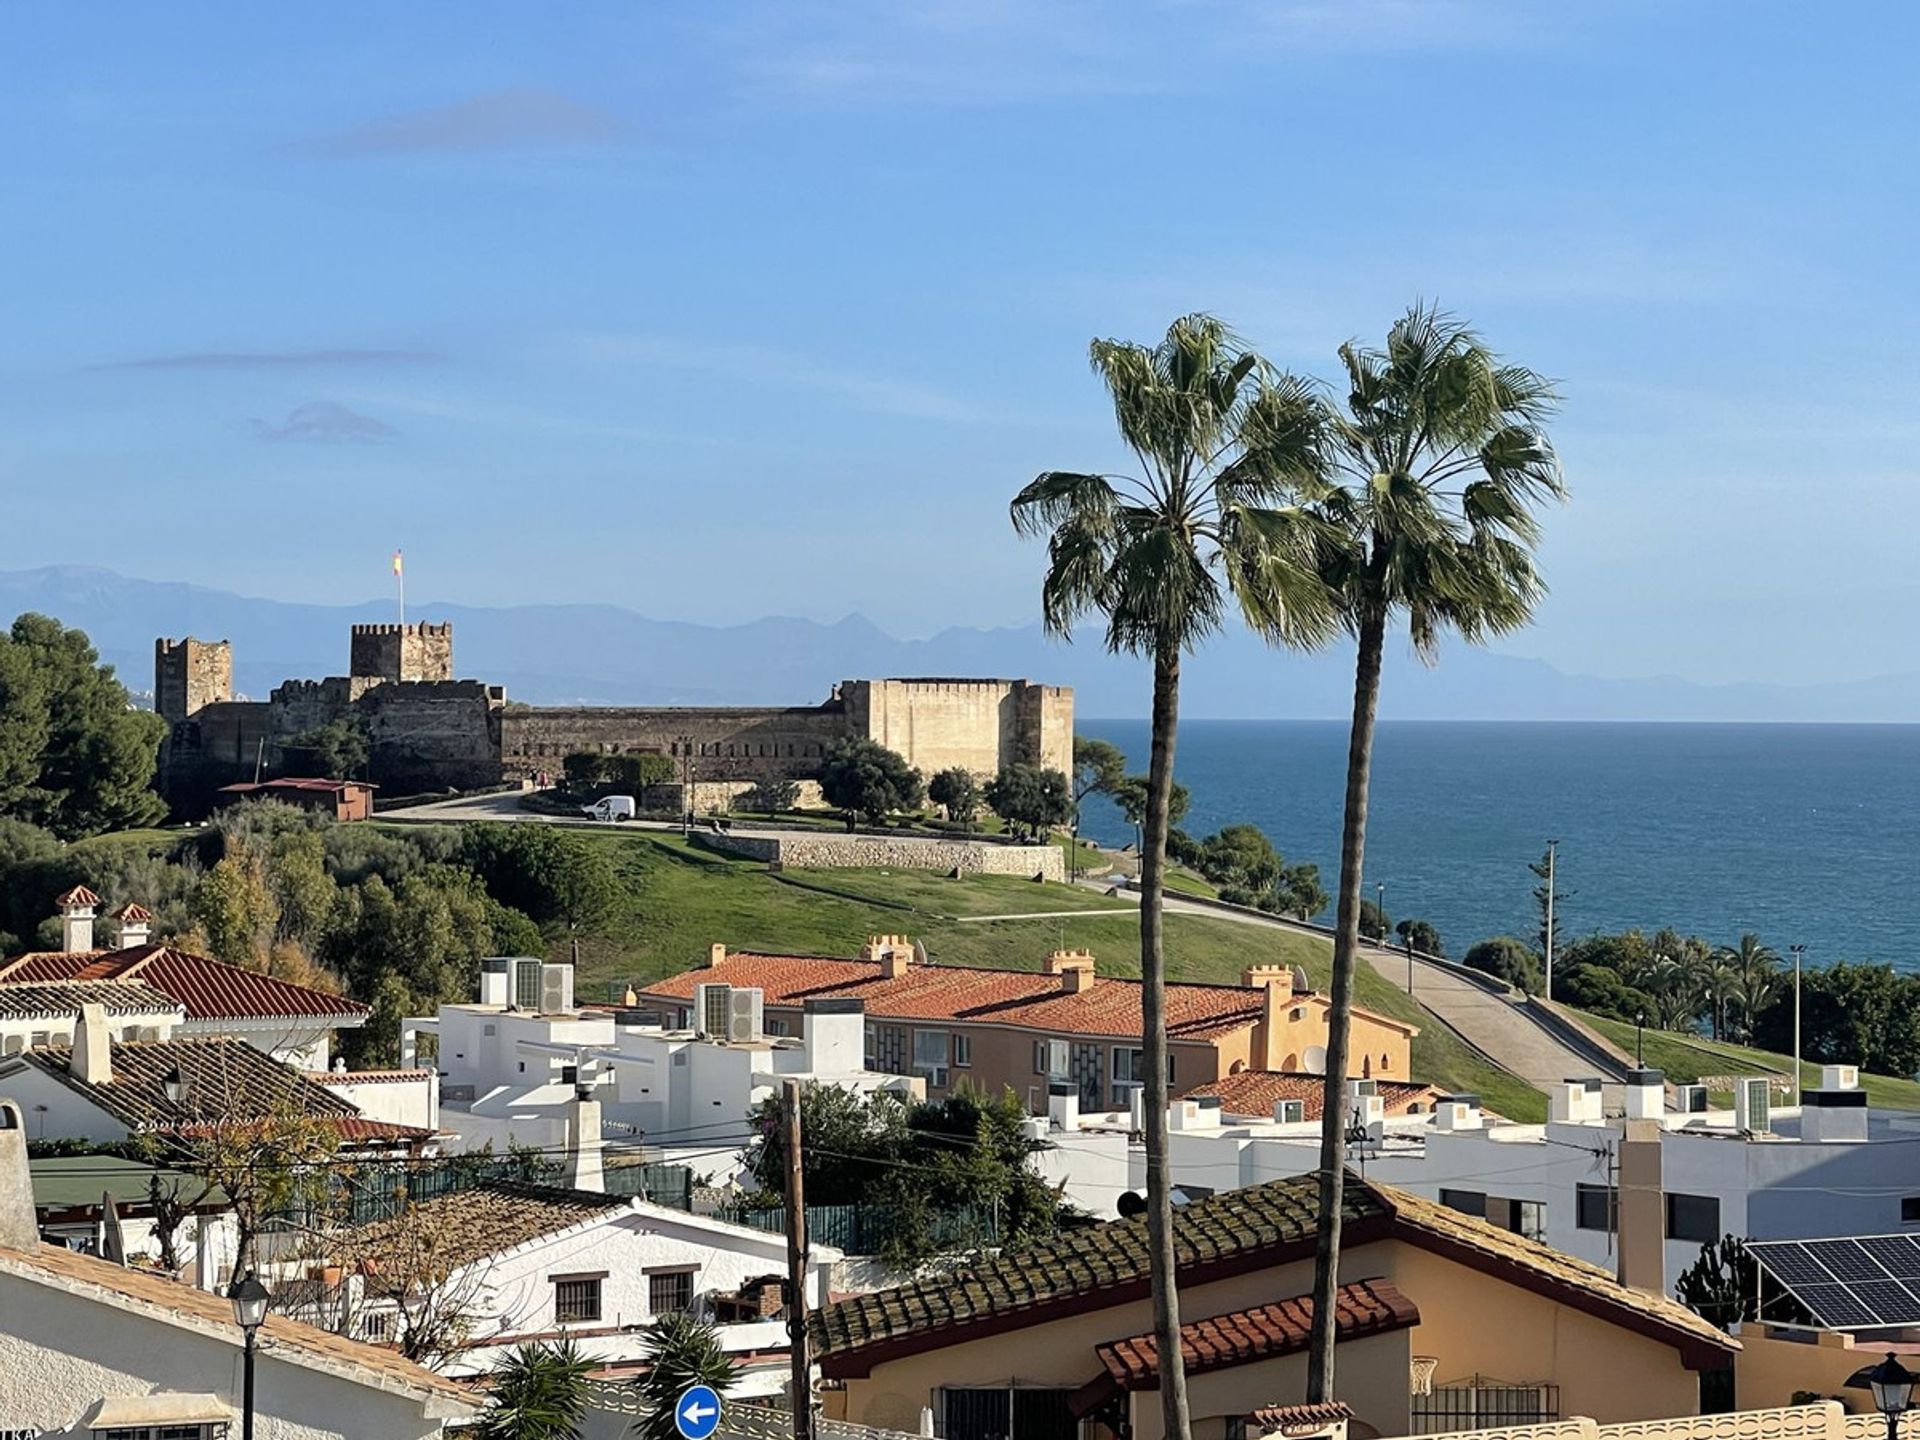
[1846, 1260]
[1890, 1300]
[1790, 1263]
[1835, 1306]
[1898, 1253]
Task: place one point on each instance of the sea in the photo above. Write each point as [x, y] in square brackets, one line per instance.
[1802, 834]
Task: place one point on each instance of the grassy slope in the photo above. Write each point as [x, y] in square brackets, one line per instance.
[1684, 1059]
[679, 899]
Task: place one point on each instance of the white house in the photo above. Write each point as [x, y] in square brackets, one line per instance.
[35, 1015]
[1829, 1167]
[527, 1261]
[408, 1098]
[292, 1023]
[93, 1349]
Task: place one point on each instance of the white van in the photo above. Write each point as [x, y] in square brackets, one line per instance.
[611, 808]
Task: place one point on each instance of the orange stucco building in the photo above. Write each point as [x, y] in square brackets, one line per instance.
[955, 1025]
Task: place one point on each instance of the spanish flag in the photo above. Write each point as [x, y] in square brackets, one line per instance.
[396, 562]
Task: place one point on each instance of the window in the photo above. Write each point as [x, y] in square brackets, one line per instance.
[1522, 1217]
[1007, 1414]
[376, 1326]
[1050, 1058]
[1130, 1066]
[776, 1026]
[930, 1051]
[669, 1292]
[871, 1060]
[1593, 1207]
[962, 1051]
[1467, 1202]
[576, 1298]
[1910, 1210]
[159, 1432]
[1693, 1217]
[39, 1039]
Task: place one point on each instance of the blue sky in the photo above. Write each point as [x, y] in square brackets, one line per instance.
[727, 310]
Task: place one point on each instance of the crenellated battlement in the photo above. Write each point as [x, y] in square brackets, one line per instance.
[189, 675]
[423, 627]
[394, 654]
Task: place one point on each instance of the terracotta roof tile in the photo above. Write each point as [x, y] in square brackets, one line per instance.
[1306, 1416]
[370, 1077]
[138, 914]
[488, 1219]
[1366, 1307]
[1029, 999]
[210, 989]
[366, 1364]
[57, 998]
[1253, 1092]
[78, 897]
[227, 1080]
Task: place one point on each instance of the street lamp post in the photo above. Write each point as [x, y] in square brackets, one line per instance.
[1639, 1040]
[1799, 954]
[1380, 909]
[1409, 962]
[1892, 1386]
[249, 1298]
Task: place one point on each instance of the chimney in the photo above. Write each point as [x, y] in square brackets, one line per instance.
[92, 1059]
[496, 981]
[1837, 1111]
[1063, 1105]
[834, 1031]
[1269, 978]
[77, 909]
[1646, 1095]
[1075, 969]
[583, 1170]
[1196, 1112]
[716, 955]
[1641, 1206]
[136, 925]
[1575, 1102]
[894, 953]
[19, 1224]
[1456, 1112]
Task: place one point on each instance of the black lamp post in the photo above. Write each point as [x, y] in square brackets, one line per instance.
[1892, 1386]
[249, 1299]
[1639, 1040]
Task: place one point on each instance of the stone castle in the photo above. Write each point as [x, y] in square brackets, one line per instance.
[427, 731]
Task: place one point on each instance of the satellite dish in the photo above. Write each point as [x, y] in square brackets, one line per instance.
[919, 953]
[1132, 1205]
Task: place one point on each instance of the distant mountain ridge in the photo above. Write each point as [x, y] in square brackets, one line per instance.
[603, 654]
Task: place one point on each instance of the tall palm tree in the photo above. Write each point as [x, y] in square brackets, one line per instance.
[1223, 443]
[1756, 976]
[1436, 463]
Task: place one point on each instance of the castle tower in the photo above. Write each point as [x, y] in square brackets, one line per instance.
[189, 674]
[385, 654]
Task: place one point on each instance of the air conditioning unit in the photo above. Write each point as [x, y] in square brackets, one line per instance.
[526, 984]
[1690, 1099]
[712, 1006]
[1753, 1104]
[1289, 1112]
[556, 989]
[743, 1015]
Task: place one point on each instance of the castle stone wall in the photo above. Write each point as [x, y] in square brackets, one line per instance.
[978, 725]
[433, 735]
[190, 674]
[746, 743]
[833, 852]
[387, 654]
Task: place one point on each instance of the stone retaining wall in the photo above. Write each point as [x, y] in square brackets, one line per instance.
[874, 852]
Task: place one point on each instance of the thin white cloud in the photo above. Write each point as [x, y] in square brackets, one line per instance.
[270, 359]
[503, 120]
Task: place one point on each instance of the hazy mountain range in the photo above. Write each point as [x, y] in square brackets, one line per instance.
[602, 654]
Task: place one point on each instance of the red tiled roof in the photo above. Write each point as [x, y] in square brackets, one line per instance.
[138, 914]
[354, 1129]
[370, 1077]
[79, 895]
[1302, 1417]
[209, 989]
[1366, 1307]
[1026, 998]
[63, 998]
[224, 1080]
[1253, 1092]
[330, 787]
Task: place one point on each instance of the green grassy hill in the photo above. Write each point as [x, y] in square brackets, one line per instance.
[1685, 1058]
[678, 899]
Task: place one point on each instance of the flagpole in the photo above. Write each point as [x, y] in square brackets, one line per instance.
[400, 583]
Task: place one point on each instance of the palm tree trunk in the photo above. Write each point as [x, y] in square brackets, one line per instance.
[1153, 1040]
[1346, 944]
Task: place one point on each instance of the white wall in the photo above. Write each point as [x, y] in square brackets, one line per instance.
[412, 1101]
[20, 1032]
[60, 1354]
[52, 1111]
[302, 1044]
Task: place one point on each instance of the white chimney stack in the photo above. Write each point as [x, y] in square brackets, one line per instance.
[136, 925]
[1197, 1112]
[1839, 1077]
[583, 1170]
[834, 1031]
[1456, 1112]
[1063, 1105]
[77, 909]
[1576, 1102]
[496, 981]
[92, 1060]
[1646, 1095]
[19, 1222]
[1837, 1111]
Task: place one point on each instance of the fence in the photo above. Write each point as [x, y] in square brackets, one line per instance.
[1826, 1421]
[670, 1185]
[377, 1191]
[866, 1229]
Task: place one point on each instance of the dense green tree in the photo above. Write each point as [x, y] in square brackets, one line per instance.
[770, 797]
[1030, 798]
[640, 773]
[1421, 935]
[1129, 797]
[235, 911]
[1507, 959]
[1852, 1014]
[1541, 896]
[1299, 893]
[539, 1392]
[1756, 978]
[583, 770]
[955, 791]
[679, 1351]
[864, 778]
[556, 876]
[302, 890]
[1436, 463]
[75, 757]
[1208, 520]
[336, 750]
[1241, 860]
[1374, 922]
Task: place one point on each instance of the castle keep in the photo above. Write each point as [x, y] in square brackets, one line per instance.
[427, 731]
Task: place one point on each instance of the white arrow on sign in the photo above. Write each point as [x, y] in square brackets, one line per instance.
[696, 1412]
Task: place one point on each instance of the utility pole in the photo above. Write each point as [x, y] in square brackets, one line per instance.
[1799, 954]
[1552, 846]
[801, 1380]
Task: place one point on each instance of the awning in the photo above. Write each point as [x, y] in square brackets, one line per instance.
[161, 1409]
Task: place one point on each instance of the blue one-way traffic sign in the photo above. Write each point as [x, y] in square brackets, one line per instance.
[696, 1414]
